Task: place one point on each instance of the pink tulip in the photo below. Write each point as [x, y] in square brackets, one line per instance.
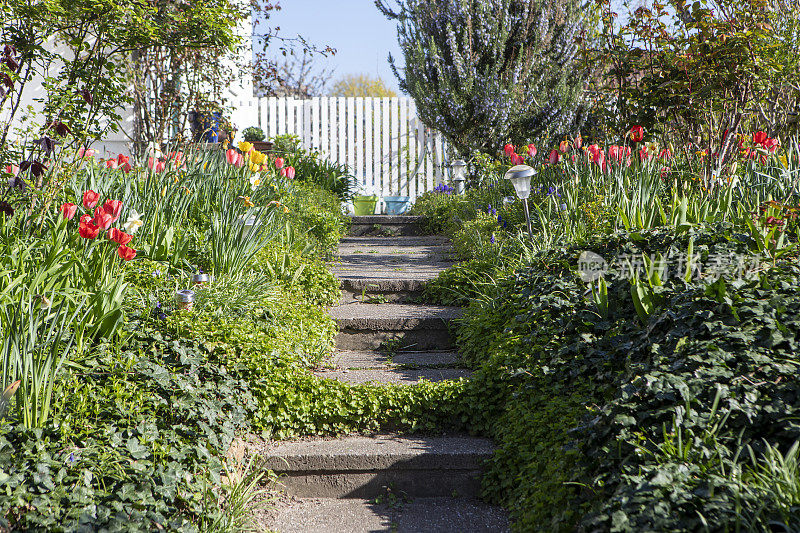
[665, 154]
[578, 142]
[771, 145]
[86, 152]
[517, 159]
[231, 156]
[283, 172]
[509, 150]
[563, 146]
[532, 150]
[555, 157]
[644, 155]
[279, 162]
[112, 164]
[290, 172]
[12, 169]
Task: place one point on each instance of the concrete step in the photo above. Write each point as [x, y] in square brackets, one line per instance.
[385, 225]
[365, 467]
[389, 269]
[394, 376]
[391, 512]
[349, 360]
[394, 326]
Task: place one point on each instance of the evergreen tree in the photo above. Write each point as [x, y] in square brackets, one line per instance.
[485, 72]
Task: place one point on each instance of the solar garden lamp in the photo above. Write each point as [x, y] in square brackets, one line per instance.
[520, 178]
[458, 171]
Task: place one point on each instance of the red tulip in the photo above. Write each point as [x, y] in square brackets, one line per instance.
[760, 137]
[88, 230]
[563, 146]
[85, 219]
[102, 219]
[118, 236]
[644, 155]
[613, 152]
[665, 154]
[664, 172]
[279, 162]
[517, 159]
[578, 142]
[290, 172]
[112, 164]
[68, 210]
[113, 208]
[593, 150]
[126, 167]
[282, 172]
[509, 150]
[90, 199]
[122, 159]
[126, 253]
[532, 150]
[12, 169]
[555, 157]
[637, 133]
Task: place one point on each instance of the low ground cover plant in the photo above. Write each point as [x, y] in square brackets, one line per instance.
[657, 392]
[120, 403]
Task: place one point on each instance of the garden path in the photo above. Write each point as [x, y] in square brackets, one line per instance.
[403, 483]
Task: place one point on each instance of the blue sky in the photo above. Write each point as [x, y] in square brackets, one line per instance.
[361, 35]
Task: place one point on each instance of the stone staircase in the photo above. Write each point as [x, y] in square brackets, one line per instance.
[403, 483]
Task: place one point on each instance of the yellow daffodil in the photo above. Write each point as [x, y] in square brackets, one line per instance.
[278, 204]
[246, 201]
[245, 146]
[784, 161]
[133, 223]
[651, 147]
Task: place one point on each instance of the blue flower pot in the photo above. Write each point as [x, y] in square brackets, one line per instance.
[397, 205]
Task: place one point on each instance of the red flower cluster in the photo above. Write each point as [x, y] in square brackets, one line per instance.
[121, 161]
[89, 226]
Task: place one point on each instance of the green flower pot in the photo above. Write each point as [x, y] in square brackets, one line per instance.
[364, 205]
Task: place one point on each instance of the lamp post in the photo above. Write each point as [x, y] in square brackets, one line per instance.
[520, 177]
[458, 170]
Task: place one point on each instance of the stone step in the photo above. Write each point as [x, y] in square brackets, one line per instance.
[349, 360]
[385, 225]
[394, 326]
[365, 467]
[394, 376]
[391, 512]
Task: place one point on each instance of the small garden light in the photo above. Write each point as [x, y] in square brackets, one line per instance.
[458, 170]
[520, 177]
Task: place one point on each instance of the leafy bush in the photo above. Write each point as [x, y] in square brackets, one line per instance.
[598, 417]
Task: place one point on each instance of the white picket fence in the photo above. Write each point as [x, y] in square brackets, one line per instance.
[386, 147]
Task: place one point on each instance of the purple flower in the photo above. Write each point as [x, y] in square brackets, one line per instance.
[492, 239]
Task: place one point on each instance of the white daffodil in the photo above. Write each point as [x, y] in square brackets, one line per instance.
[133, 223]
[255, 180]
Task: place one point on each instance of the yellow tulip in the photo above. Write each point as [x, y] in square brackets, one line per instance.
[245, 146]
[257, 157]
[784, 161]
